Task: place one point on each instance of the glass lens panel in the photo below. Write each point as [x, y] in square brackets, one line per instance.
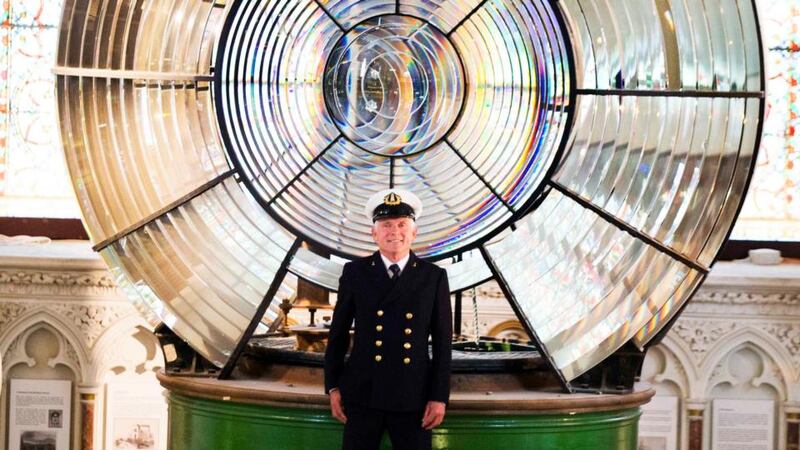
[585, 64]
[595, 294]
[126, 160]
[452, 196]
[313, 117]
[349, 13]
[677, 282]
[172, 37]
[205, 265]
[444, 14]
[738, 186]
[679, 297]
[679, 44]
[750, 44]
[514, 115]
[274, 96]
[673, 167]
[317, 269]
[664, 165]
[470, 271]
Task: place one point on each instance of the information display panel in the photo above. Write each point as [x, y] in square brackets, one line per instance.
[39, 414]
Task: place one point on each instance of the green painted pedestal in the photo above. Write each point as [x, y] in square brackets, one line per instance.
[284, 414]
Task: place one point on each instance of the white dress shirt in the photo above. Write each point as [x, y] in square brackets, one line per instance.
[387, 262]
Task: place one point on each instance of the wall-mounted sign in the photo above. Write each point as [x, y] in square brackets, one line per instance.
[39, 414]
[136, 416]
[658, 426]
[743, 424]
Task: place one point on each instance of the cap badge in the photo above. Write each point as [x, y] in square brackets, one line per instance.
[392, 199]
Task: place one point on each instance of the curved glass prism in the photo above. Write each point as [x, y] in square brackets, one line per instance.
[469, 114]
[590, 156]
[394, 85]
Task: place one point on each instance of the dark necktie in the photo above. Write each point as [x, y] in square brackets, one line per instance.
[395, 269]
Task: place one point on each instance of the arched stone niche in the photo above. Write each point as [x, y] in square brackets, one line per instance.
[746, 368]
[42, 345]
[41, 352]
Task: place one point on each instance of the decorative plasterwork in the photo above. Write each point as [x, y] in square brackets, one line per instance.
[97, 279]
[671, 370]
[64, 288]
[142, 352]
[742, 297]
[701, 335]
[89, 319]
[9, 313]
[489, 290]
[789, 337]
[26, 282]
[92, 320]
[13, 352]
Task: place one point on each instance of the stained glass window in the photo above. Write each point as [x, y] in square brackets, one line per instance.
[772, 209]
[33, 178]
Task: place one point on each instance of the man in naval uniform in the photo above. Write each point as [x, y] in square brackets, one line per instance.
[398, 301]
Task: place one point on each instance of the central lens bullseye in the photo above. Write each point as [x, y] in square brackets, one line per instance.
[394, 85]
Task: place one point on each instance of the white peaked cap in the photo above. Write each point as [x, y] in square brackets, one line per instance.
[404, 196]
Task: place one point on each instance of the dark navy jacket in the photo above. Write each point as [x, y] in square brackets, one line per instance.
[390, 367]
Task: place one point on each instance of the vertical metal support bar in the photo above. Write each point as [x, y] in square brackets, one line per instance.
[391, 173]
[458, 307]
[226, 372]
[512, 299]
[457, 314]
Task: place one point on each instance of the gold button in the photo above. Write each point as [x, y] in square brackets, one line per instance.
[407, 345]
[380, 313]
[379, 328]
[406, 360]
[378, 343]
[408, 330]
[378, 358]
[409, 316]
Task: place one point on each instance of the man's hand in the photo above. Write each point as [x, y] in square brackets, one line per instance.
[434, 415]
[336, 406]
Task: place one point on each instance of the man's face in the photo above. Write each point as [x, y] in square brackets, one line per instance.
[394, 236]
